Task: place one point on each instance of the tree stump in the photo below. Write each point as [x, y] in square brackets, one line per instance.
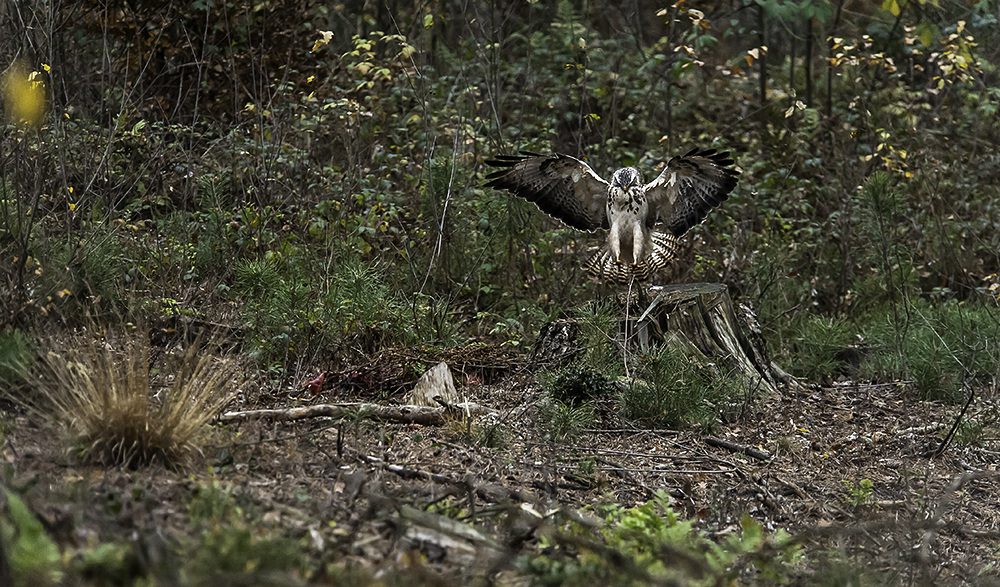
[698, 318]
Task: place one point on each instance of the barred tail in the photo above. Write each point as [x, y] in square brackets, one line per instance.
[665, 248]
[603, 265]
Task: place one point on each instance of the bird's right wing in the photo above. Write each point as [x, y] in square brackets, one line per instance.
[561, 186]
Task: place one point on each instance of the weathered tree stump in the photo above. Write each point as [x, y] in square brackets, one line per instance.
[698, 318]
[556, 345]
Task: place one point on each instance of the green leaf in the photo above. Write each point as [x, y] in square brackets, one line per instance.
[34, 558]
[823, 12]
[925, 33]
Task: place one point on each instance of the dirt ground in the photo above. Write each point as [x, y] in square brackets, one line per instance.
[371, 493]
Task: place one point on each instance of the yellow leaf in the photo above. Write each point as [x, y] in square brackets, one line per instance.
[23, 95]
[324, 38]
[428, 21]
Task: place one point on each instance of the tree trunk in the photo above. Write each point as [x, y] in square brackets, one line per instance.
[698, 318]
[809, 63]
[762, 60]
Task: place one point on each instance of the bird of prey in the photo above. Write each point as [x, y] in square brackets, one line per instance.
[568, 189]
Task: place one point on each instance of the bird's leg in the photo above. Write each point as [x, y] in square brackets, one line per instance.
[615, 242]
[638, 240]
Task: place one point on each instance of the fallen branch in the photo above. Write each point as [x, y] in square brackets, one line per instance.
[425, 415]
[734, 447]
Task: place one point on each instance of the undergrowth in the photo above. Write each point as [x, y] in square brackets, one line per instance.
[942, 347]
[650, 544]
[229, 543]
[670, 391]
[313, 179]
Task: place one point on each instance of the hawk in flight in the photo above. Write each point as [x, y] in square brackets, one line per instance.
[568, 189]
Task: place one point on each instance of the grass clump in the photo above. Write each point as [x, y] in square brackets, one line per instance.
[818, 352]
[16, 350]
[941, 347]
[104, 401]
[565, 421]
[568, 407]
[599, 332]
[671, 392]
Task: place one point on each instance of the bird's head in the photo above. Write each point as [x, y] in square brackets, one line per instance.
[624, 184]
[626, 178]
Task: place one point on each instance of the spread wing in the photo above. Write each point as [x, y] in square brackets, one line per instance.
[688, 188]
[561, 186]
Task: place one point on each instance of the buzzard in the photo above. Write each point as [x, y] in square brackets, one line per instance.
[568, 189]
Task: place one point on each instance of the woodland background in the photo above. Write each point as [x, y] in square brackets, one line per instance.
[307, 178]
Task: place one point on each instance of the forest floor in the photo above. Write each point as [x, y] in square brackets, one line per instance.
[341, 488]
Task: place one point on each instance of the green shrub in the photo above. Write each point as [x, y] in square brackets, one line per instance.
[576, 384]
[649, 544]
[565, 421]
[110, 563]
[670, 391]
[818, 351]
[944, 346]
[34, 559]
[230, 543]
[599, 336]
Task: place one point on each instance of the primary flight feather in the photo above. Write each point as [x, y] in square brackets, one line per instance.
[568, 189]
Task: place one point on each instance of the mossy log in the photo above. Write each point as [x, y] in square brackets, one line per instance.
[698, 318]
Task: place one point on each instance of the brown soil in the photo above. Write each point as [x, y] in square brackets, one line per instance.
[343, 486]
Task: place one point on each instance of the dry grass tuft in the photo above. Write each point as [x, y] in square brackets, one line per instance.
[104, 400]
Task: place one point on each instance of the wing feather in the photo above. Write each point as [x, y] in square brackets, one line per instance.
[561, 186]
[688, 188]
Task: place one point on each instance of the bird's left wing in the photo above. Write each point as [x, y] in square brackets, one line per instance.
[688, 188]
[561, 186]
